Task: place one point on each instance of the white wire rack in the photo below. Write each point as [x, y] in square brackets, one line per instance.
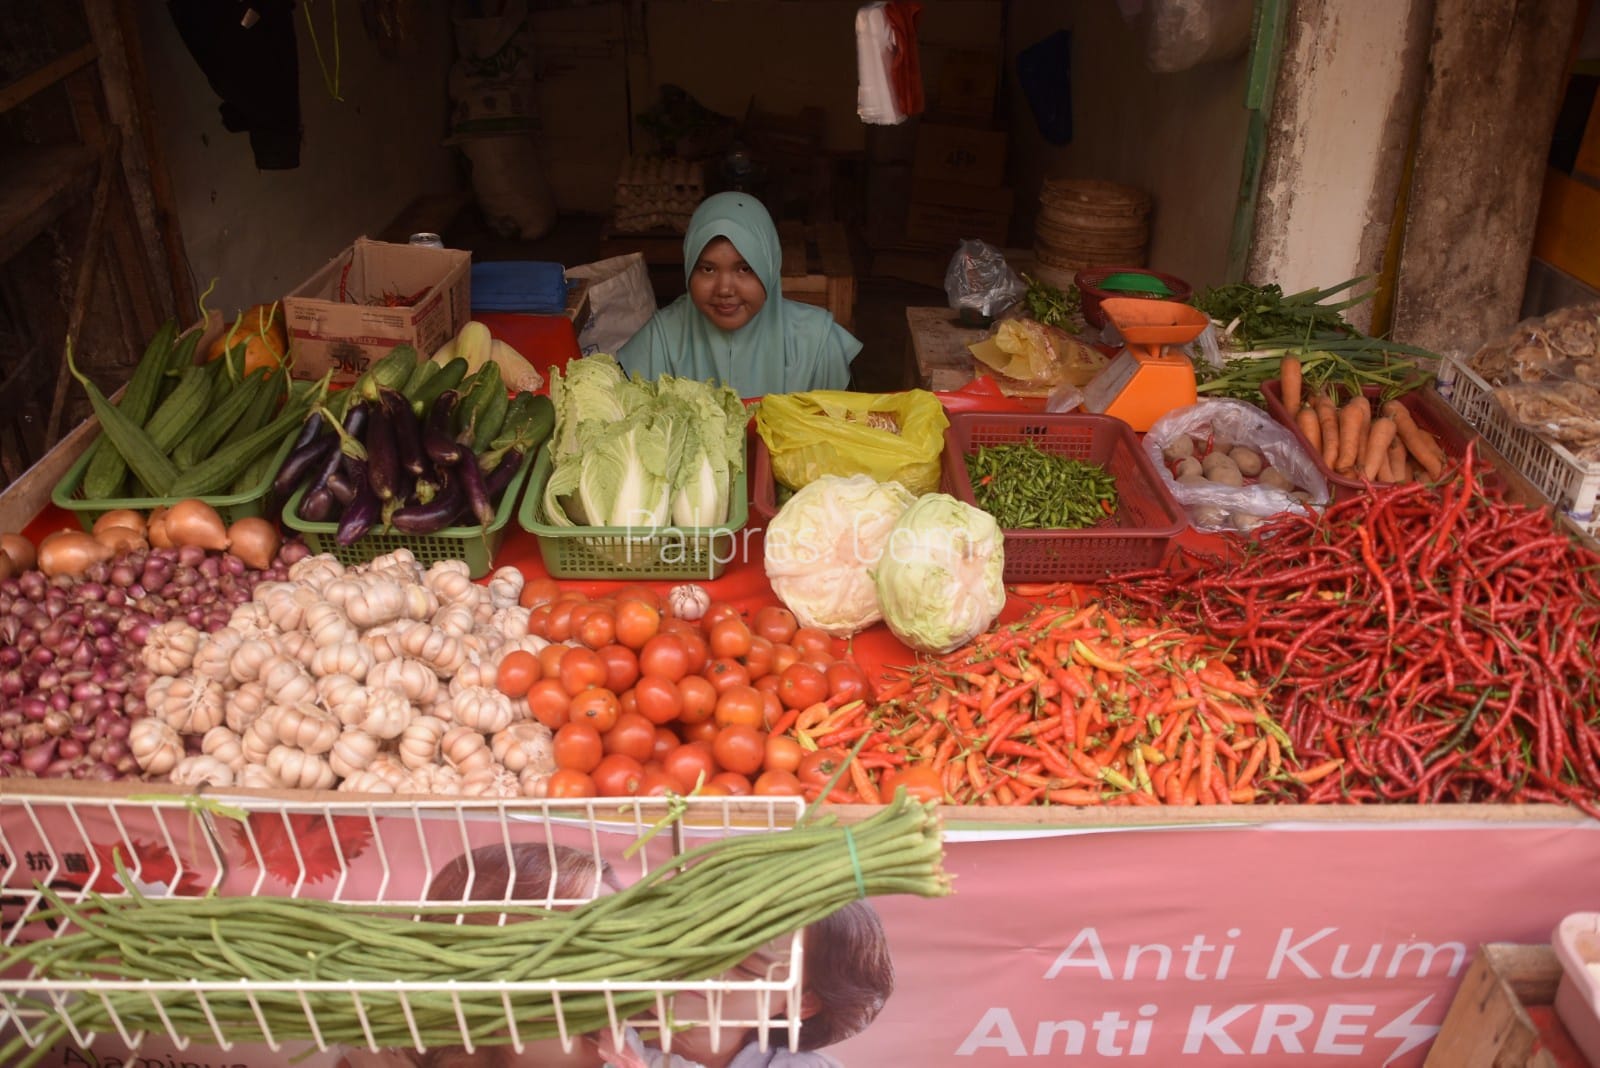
[370, 852]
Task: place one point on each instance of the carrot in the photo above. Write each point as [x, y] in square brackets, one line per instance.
[1377, 448]
[1306, 419]
[1399, 465]
[1353, 418]
[1327, 419]
[1419, 443]
[1290, 380]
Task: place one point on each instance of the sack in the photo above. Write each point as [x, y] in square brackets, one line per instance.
[621, 301]
[509, 184]
[836, 432]
[1217, 507]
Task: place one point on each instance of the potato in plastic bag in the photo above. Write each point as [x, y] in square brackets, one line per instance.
[893, 437]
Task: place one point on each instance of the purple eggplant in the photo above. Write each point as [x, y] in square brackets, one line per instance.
[437, 440]
[470, 477]
[317, 493]
[383, 464]
[407, 433]
[499, 477]
[360, 514]
[442, 511]
[302, 460]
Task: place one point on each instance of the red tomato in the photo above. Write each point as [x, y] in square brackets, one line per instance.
[777, 783]
[637, 622]
[581, 669]
[696, 652]
[783, 654]
[729, 637]
[725, 672]
[617, 775]
[519, 669]
[919, 780]
[538, 592]
[627, 700]
[632, 735]
[783, 753]
[655, 782]
[689, 764]
[774, 623]
[680, 627]
[741, 705]
[739, 748]
[539, 621]
[847, 681]
[644, 595]
[716, 789]
[666, 741]
[703, 731]
[666, 656]
[622, 667]
[771, 709]
[549, 702]
[597, 706]
[578, 746]
[570, 782]
[801, 686]
[768, 684]
[550, 659]
[659, 698]
[699, 699]
[717, 611]
[820, 765]
[810, 641]
[559, 627]
[758, 661]
[735, 784]
[598, 628]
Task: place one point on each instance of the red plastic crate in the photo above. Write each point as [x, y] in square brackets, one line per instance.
[1147, 519]
[1447, 434]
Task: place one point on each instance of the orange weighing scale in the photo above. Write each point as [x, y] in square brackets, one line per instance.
[1146, 380]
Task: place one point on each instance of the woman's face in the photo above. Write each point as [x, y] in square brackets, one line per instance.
[724, 287]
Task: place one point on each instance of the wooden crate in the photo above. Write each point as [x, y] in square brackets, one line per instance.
[817, 268]
[1502, 1015]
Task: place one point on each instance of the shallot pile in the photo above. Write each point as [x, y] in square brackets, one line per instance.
[72, 680]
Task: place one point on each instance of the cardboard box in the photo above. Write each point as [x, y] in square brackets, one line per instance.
[341, 318]
[945, 226]
[960, 154]
[966, 84]
[962, 195]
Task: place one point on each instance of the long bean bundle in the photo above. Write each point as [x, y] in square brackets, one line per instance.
[688, 920]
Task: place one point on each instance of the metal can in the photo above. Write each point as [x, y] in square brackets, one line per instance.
[426, 240]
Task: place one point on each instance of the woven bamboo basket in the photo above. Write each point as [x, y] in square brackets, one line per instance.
[1085, 222]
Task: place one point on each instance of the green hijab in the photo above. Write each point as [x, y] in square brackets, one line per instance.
[787, 347]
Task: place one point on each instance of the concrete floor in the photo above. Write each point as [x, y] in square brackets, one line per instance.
[880, 322]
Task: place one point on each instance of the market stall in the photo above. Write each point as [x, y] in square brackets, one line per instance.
[1106, 919]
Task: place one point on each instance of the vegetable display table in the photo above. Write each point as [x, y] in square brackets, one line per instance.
[938, 343]
[1215, 935]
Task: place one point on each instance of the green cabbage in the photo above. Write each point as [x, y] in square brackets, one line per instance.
[822, 545]
[940, 579]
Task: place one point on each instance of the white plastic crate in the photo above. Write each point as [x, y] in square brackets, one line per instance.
[1569, 482]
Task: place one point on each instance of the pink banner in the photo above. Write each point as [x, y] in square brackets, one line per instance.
[1309, 944]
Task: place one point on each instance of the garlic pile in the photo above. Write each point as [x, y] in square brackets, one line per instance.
[378, 678]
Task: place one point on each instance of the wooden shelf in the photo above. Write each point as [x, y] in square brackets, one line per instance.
[38, 184]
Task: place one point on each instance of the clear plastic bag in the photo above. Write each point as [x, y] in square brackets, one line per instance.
[1213, 506]
[980, 281]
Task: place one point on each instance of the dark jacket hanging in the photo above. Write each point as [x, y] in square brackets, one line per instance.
[246, 48]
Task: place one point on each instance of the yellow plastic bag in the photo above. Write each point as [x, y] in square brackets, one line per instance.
[894, 437]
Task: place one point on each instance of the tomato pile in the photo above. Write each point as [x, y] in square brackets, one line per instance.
[644, 703]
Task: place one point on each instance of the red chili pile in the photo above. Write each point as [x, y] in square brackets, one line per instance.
[1441, 645]
[1074, 706]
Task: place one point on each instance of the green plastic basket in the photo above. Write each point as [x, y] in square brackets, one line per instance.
[253, 502]
[475, 545]
[627, 553]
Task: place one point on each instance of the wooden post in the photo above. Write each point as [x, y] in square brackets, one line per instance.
[88, 263]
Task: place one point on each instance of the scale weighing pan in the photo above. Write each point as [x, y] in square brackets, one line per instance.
[1142, 321]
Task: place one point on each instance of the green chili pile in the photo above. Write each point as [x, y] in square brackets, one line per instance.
[694, 918]
[1026, 488]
